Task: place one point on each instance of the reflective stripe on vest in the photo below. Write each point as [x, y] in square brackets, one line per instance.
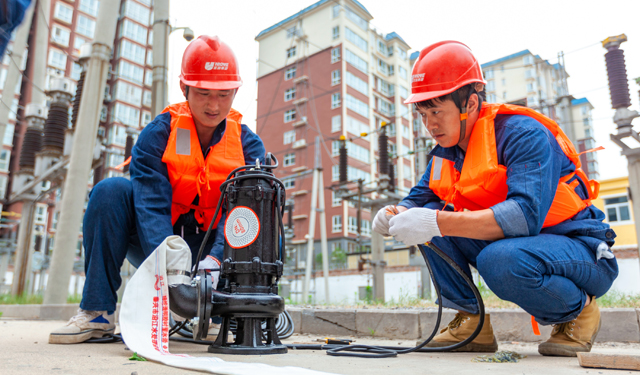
[190, 173]
[482, 183]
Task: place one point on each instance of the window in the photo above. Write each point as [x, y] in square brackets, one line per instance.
[335, 199]
[289, 182]
[491, 98]
[150, 58]
[60, 35]
[290, 94]
[384, 68]
[528, 60]
[132, 51]
[504, 82]
[3, 186]
[361, 22]
[114, 160]
[289, 137]
[356, 61]
[146, 118]
[54, 222]
[134, 31]
[57, 59]
[353, 150]
[8, 135]
[89, 7]
[357, 83]
[416, 124]
[290, 115]
[78, 42]
[353, 224]
[402, 72]
[290, 73]
[335, 32]
[356, 39]
[617, 209]
[388, 89]
[289, 159]
[336, 124]
[85, 26]
[530, 87]
[41, 213]
[146, 98]
[588, 132]
[491, 86]
[76, 70]
[402, 53]
[335, 77]
[129, 93]
[488, 74]
[382, 48]
[404, 92]
[150, 41]
[336, 223]
[293, 31]
[335, 55]
[137, 12]
[127, 115]
[406, 171]
[291, 52]
[118, 135]
[352, 174]
[356, 127]
[504, 95]
[335, 100]
[5, 156]
[148, 78]
[63, 13]
[130, 71]
[405, 129]
[335, 11]
[357, 106]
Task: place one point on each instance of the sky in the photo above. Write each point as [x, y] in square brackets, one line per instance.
[492, 29]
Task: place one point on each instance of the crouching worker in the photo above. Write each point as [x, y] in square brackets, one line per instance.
[522, 209]
[177, 166]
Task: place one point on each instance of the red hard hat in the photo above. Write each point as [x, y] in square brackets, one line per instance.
[208, 63]
[441, 69]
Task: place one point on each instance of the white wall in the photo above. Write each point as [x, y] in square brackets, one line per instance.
[628, 281]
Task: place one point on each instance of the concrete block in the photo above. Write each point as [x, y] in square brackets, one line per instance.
[296, 317]
[428, 319]
[395, 324]
[329, 322]
[515, 325]
[27, 312]
[58, 312]
[620, 325]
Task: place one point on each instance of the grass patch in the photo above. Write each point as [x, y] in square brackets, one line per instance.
[32, 299]
[616, 299]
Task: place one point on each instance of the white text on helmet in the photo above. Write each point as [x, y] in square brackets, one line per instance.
[216, 66]
[417, 77]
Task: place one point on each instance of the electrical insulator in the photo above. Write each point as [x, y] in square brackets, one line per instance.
[617, 72]
[343, 161]
[76, 99]
[383, 151]
[55, 127]
[127, 151]
[31, 144]
[392, 178]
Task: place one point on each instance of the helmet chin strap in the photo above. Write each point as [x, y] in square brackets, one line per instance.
[463, 112]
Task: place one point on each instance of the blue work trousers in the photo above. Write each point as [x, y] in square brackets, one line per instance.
[110, 236]
[549, 276]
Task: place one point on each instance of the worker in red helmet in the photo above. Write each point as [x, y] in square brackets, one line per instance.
[503, 193]
[177, 165]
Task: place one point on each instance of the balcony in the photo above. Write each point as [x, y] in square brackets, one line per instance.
[300, 101]
[301, 143]
[303, 121]
[299, 192]
[301, 79]
[299, 169]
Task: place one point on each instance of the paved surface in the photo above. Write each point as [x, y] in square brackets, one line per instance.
[24, 350]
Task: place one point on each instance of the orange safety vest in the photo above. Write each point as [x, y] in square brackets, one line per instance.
[482, 181]
[190, 173]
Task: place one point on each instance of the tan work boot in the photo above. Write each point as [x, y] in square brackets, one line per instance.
[83, 326]
[575, 336]
[460, 328]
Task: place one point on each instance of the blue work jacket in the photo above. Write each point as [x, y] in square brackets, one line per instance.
[152, 190]
[520, 141]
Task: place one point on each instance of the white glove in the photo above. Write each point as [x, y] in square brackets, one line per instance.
[212, 265]
[415, 226]
[381, 220]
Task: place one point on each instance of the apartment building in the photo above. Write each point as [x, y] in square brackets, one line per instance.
[126, 105]
[526, 79]
[327, 72]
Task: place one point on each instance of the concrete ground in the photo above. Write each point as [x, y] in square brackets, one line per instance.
[24, 350]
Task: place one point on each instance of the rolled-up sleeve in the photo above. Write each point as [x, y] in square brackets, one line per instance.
[533, 159]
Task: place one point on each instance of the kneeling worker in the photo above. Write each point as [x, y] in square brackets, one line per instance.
[523, 214]
[177, 166]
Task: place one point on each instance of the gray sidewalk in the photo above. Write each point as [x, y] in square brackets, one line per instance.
[618, 325]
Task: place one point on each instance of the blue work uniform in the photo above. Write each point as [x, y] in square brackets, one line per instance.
[549, 272]
[130, 218]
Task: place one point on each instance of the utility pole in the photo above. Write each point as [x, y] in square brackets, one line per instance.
[161, 30]
[75, 186]
[13, 73]
[316, 190]
[620, 101]
[34, 116]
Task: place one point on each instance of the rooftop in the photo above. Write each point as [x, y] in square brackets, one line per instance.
[392, 35]
[506, 58]
[414, 55]
[579, 101]
[306, 10]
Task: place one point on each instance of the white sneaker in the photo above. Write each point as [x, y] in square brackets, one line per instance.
[83, 326]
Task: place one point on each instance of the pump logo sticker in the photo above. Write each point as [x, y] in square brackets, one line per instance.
[242, 227]
[417, 77]
[216, 65]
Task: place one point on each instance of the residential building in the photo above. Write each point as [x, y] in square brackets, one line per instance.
[615, 202]
[127, 98]
[526, 79]
[326, 72]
